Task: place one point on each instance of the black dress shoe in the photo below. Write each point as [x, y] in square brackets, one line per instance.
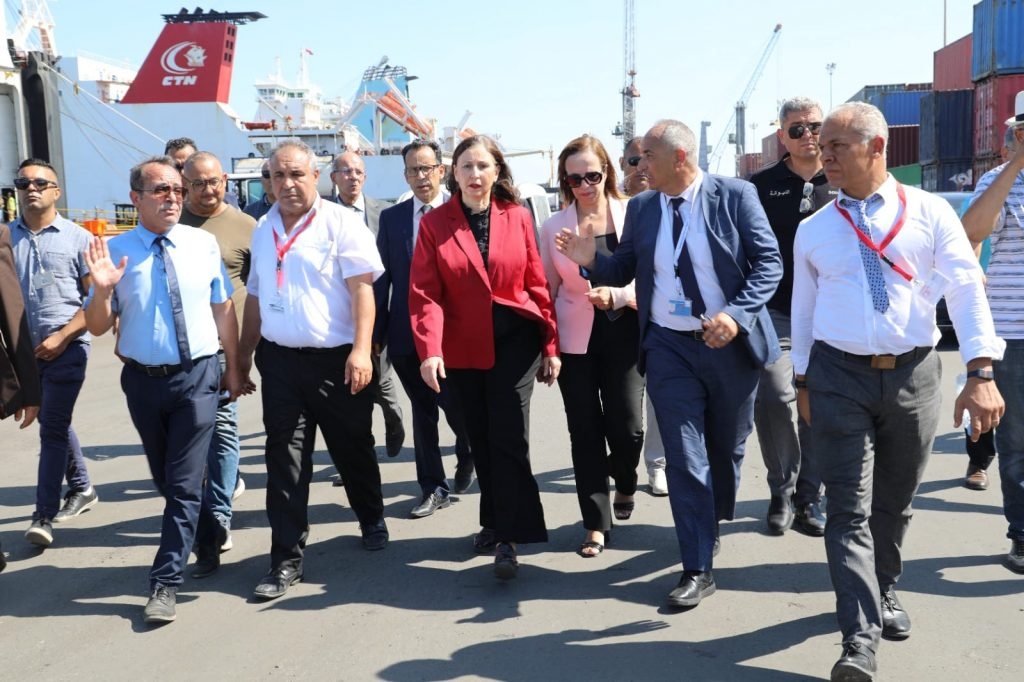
[810, 520]
[205, 567]
[857, 664]
[895, 621]
[780, 515]
[692, 587]
[375, 535]
[277, 582]
[463, 479]
[430, 504]
[394, 432]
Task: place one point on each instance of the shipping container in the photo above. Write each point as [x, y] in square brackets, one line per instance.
[908, 175]
[952, 66]
[947, 126]
[771, 149]
[949, 176]
[984, 164]
[749, 164]
[902, 149]
[900, 108]
[993, 104]
[998, 45]
[869, 93]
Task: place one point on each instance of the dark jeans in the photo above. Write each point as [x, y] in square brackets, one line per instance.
[982, 452]
[1010, 435]
[603, 396]
[425, 414]
[304, 390]
[60, 454]
[174, 417]
[496, 404]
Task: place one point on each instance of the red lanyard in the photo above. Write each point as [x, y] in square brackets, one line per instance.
[282, 249]
[879, 249]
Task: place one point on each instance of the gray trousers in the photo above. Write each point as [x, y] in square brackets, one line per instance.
[785, 447]
[872, 431]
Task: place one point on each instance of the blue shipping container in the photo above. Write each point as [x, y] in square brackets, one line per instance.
[951, 176]
[998, 47]
[947, 126]
[901, 108]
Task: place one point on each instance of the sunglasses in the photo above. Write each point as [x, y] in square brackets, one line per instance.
[592, 178]
[797, 131]
[39, 183]
[633, 161]
[806, 205]
[164, 191]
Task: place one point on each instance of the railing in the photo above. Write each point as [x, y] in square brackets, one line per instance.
[101, 221]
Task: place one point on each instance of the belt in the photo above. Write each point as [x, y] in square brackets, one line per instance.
[887, 361]
[159, 370]
[311, 350]
[695, 334]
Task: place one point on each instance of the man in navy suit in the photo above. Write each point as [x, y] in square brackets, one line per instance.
[705, 261]
[396, 237]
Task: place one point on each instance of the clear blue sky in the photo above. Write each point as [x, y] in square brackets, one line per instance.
[538, 72]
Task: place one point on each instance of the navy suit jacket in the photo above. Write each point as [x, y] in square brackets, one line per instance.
[391, 290]
[743, 248]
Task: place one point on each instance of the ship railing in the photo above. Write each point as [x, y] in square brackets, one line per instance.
[101, 221]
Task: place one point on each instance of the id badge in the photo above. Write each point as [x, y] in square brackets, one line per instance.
[682, 307]
[932, 290]
[276, 303]
[43, 279]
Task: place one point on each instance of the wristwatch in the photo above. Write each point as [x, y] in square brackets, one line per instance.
[986, 374]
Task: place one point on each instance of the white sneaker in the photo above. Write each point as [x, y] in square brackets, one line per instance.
[658, 482]
[239, 489]
[40, 533]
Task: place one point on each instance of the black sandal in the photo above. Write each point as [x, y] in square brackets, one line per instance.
[484, 541]
[623, 510]
[506, 566]
[594, 544]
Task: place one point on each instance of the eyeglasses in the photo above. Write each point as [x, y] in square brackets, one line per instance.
[40, 184]
[199, 185]
[591, 178]
[633, 161]
[265, 174]
[164, 191]
[416, 171]
[806, 205]
[797, 131]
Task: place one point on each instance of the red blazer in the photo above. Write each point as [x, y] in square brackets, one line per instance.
[450, 291]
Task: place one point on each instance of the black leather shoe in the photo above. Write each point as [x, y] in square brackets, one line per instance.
[857, 664]
[205, 567]
[430, 504]
[276, 583]
[809, 519]
[780, 515]
[895, 621]
[375, 535]
[463, 479]
[506, 564]
[394, 431]
[692, 587]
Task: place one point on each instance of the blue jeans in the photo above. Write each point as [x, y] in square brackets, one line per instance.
[1010, 435]
[221, 468]
[60, 453]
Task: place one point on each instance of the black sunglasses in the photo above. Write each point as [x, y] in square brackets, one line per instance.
[797, 131]
[633, 161]
[39, 183]
[591, 178]
[164, 191]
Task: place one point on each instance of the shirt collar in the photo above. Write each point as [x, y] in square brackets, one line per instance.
[437, 201]
[690, 193]
[359, 203]
[56, 225]
[887, 191]
[147, 237]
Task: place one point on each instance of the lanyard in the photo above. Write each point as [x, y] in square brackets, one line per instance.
[282, 249]
[880, 248]
[681, 242]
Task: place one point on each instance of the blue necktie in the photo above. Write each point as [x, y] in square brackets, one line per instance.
[685, 267]
[177, 311]
[872, 268]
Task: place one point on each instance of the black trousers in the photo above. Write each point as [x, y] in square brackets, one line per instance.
[603, 396]
[303, 390]
[984, 451]
[496, 407]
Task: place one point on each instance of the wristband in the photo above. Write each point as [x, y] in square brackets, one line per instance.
[986, 374]
[799, 383]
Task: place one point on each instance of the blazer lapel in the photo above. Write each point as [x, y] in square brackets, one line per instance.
[464, 238]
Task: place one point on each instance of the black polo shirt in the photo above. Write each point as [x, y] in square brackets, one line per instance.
[780, 191]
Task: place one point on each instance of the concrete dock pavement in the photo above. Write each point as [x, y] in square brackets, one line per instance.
[428, 608]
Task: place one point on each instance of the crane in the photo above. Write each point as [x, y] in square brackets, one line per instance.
[627, 128]
[739, 116]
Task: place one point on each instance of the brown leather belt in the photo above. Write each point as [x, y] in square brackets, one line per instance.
[887, 361]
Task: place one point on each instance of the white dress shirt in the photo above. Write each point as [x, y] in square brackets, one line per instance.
[313, 307]
[832, 298]
[666, 287]
[417, 212]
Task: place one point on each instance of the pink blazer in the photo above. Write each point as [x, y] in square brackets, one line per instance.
[574, 312]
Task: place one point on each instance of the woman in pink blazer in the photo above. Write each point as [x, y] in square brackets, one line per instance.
[598, 339]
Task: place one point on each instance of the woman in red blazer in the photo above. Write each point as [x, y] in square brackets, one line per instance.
[482, 318]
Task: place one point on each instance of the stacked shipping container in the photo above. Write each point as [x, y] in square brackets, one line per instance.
[946, 141]
[997, 67]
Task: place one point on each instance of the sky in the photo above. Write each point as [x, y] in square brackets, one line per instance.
[538, 73]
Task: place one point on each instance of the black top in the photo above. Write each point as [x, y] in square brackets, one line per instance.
[606, 243]
[480, 224]
[780, 191]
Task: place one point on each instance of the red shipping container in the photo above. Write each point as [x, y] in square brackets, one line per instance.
[904, 146]
[749, 164]
[993, 104]
[771, 149]
[953, 66]
[983, 165]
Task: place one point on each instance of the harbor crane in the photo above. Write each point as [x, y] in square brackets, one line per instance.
[738, 134]
[626, 129]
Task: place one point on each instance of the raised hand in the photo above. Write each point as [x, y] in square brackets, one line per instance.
[579, 248]
[105, 275]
